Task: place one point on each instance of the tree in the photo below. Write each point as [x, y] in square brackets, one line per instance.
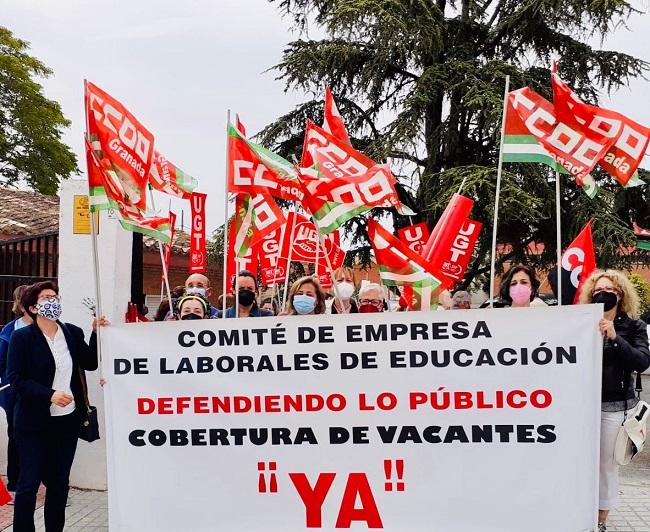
[30, 124]
[420, 83]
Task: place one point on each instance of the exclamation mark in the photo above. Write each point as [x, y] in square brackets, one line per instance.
[388, 486]
[273, 484]
[261, 483]
[399, 466]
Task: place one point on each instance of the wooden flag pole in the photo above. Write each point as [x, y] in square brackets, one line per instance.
[558, 237]
[226, 228]
[498, 191]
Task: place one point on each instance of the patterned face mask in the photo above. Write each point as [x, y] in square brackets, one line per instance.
[49, 309]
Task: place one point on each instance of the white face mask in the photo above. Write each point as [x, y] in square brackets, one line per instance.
[345, 290]
[195, 290]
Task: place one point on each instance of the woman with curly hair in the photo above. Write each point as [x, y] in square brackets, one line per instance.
[625, 350]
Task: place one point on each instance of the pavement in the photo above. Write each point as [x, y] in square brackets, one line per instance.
[88, 510]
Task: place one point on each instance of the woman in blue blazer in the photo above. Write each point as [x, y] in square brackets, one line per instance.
[44, 367]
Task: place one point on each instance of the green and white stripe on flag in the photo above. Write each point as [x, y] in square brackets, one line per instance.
[526, 149]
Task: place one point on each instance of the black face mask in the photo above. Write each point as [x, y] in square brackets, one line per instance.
[609, 299]
[246, 297]
[191, 316]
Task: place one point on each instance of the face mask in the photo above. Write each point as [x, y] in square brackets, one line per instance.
[520, 293]
[195, 291]
[49, 309]
[368, 308]
[345, 290]
[191, 316]
[304, 304]
[246, 297]
[609, 299]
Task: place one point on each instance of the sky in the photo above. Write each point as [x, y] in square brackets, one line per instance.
[179, 66]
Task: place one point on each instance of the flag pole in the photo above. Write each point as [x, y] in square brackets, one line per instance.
[321, 240]
[290, 254]
[237, 270]
[95, 247]
[498, 191]
[558, 237]
[226, 228]
[162, 259]
[276, 261]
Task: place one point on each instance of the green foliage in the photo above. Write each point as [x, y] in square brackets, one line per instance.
[30, 124]
[420, 84]
[643, 289]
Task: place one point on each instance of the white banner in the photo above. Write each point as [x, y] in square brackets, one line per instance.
[458, 421]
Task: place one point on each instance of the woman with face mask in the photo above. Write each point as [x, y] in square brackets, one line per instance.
[192, 307]
[344, 290]
[246, 286]
[306, 297]
[519, 286]
[44, 366]
[625, 351]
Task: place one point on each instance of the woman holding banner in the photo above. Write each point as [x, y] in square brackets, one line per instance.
[625, 350]
[306, 297]
[45, 364]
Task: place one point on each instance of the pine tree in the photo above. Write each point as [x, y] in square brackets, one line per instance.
[420, 84]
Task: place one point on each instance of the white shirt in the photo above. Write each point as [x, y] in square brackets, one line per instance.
[63, 372]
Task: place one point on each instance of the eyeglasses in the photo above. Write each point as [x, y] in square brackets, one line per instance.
[375, 302]
[609, 289]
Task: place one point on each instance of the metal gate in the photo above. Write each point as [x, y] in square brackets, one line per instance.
[26, 260]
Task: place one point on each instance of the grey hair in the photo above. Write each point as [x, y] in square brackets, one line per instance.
[371, 286]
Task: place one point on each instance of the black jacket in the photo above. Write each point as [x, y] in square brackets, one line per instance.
[627, 353]
[30, 368]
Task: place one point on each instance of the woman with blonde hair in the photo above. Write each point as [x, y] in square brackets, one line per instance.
[306, 297]
[625, 350]
[345, 287]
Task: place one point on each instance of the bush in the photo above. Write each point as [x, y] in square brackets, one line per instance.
[643, 289]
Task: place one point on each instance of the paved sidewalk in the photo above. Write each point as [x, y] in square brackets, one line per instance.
[88, 512]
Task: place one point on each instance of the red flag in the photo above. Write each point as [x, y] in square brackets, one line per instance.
[198, 255]
[169, 179]
[302, 235]
[629, 139]
[272, 266]
[248, 261]
[252, 169]
[332, 120]
[399, 266]
[579, 260]
[573, 147]
[106, 192]
[125, 144]
[5, 497]
[414, 236]
[452, 241]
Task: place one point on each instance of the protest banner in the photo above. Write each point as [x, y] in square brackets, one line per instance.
[455, 421]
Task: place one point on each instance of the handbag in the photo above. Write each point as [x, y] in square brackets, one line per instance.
[89, 429]
[632, 433]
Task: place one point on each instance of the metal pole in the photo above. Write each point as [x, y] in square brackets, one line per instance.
[290, 254]
[498, 191]
[558, 237]
[93, 239]
[225, 223]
